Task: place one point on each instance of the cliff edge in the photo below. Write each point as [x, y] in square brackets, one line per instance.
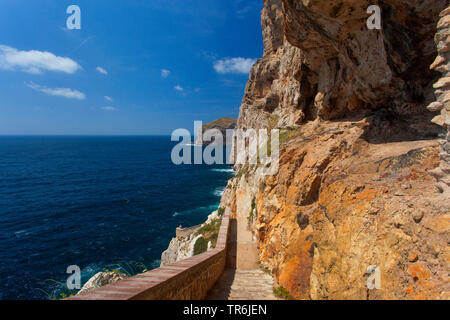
[363, 173]
[222, 124]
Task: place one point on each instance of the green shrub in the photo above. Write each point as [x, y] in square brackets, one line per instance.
[214, 226]
[243, 171]
[266, 270]
[281, 292]
[213, 238]
[200, 246]
[220, 212]
[209, 233]
[250, 216]
[63, 296]
[111, 271]
[288, 135]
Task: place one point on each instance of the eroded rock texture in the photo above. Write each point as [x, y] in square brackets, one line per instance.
[442, 105]
[340, 204]
[183, 247]
[359, 154]
[320, 60]
[101, 279]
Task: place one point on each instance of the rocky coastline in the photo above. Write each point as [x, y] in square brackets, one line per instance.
[364, 165]
[182, 247]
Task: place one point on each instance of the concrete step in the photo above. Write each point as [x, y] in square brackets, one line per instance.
[243, 285]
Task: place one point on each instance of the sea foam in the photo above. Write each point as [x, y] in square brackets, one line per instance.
[223, 170]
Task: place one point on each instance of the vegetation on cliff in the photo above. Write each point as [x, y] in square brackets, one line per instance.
[209, 233]
[357, 174]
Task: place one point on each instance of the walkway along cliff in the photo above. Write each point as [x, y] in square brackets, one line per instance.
[363, 177]
[191, 278]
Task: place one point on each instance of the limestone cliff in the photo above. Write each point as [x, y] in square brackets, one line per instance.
[101, 279]
[223, 124]
[182, 247]
[359, 154]
[179, 249]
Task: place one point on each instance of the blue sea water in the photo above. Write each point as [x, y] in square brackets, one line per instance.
[96, 202]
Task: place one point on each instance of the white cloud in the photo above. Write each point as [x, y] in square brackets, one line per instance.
[101, 70]
[109, 108]
[108, 98]
[165, 73]
[244, 8]
[59, 92]
[35, 62]
[234, 65]
[179, 88]
[242, 12]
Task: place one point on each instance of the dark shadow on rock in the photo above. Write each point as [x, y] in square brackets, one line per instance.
[386, 126]
[222, 289]
[232, 245]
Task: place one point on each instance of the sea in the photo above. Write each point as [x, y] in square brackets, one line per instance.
[99, 203]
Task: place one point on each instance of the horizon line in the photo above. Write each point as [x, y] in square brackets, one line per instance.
[85, 135]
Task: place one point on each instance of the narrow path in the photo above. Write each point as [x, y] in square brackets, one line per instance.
[242, 279]
[243, 285]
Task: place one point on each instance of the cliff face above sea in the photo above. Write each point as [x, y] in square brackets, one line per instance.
[363, 178]
[321, 61]
[222, 124]
[185, 244]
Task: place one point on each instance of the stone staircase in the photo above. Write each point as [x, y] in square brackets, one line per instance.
[243, 285]
[242, 279]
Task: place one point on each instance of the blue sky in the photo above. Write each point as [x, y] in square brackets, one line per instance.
[135, 67]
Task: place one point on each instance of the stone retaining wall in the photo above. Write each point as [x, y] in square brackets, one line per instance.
[442, 105]
[190, 278]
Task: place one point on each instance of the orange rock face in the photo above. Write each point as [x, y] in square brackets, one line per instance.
[356, 186]
[340, 204]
